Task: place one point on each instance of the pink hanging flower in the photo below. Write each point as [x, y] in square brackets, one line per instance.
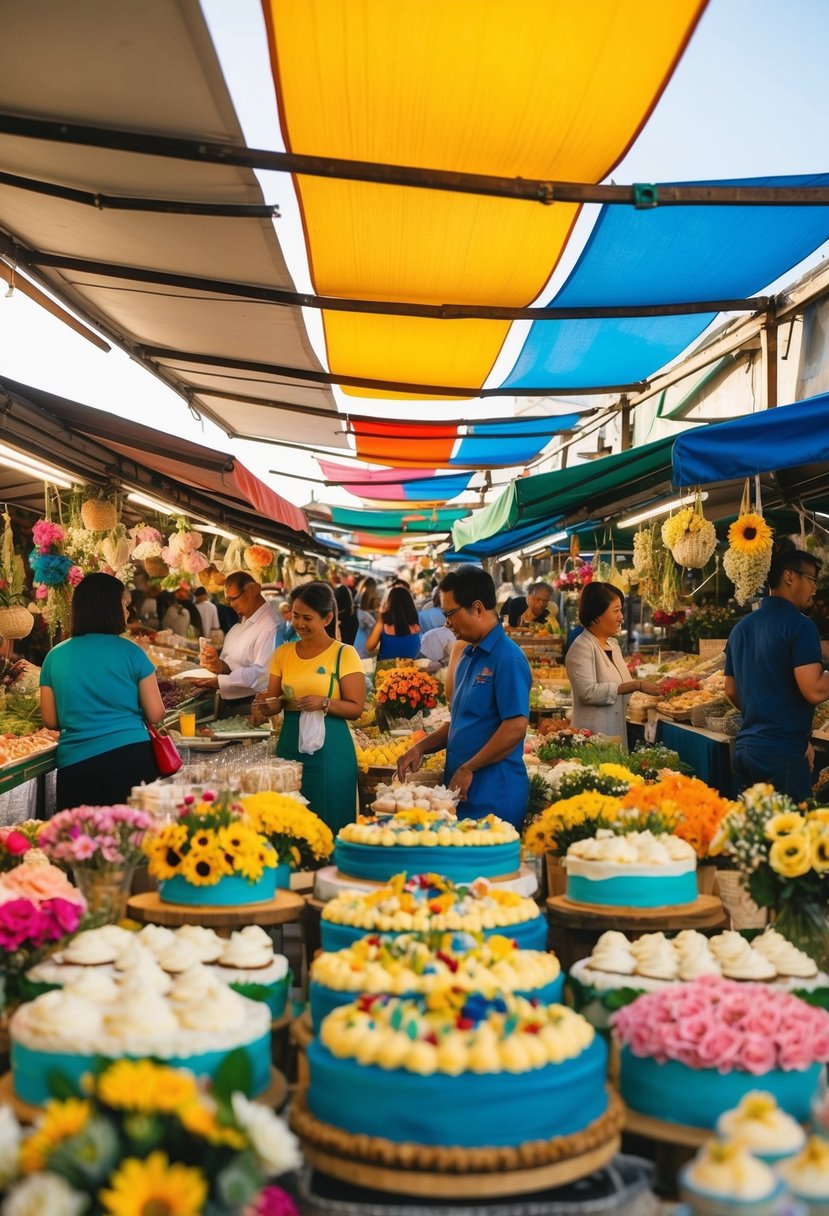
[74, 576]
[45, 534]
[41, 591]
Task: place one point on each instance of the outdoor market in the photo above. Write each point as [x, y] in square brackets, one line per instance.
[414, 609]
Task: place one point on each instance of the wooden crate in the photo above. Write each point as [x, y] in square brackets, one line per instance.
[709, 648]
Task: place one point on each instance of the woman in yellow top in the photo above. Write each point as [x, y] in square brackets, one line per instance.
[318, 673]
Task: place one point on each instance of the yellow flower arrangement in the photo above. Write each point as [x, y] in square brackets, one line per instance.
[570, 819]
[621, 773]
[60, 1121]
[750, 534]
[298, 835]
[211, 840]
[146, 1087]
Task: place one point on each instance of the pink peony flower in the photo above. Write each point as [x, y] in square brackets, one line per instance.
[74, 576]
[46, 534]
[65, 916]
[18, 917]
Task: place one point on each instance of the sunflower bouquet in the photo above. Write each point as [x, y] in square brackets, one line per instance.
[298, 835]
[403, 692]
[782, 852]
[748, 556]
[209, 841]
[147, 1138]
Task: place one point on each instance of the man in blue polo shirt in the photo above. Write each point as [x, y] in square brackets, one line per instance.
[774, 673]
[484, 738]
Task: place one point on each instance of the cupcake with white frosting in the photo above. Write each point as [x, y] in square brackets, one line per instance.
[788, 961]
[725, 1178]
[739, 960]
[760, 1126]
[807, 1176]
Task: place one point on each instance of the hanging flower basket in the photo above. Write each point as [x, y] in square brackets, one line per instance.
[15, 622]
[156, 567]
[748, 557]
[99, 515]
[690, 537]
[212, 579]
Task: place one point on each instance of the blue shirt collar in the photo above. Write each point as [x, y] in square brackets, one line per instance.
[489, 642]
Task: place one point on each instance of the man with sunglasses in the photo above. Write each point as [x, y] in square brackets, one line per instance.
[241, 670]
[484, 738]
[774, 674]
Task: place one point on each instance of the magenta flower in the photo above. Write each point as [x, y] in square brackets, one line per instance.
[18, 917]
[16, 843]
[272, 1201]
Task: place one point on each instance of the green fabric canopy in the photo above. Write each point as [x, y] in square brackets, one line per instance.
[413, 519]
[586, 491]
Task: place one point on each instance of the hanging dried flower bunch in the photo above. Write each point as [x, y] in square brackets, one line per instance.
[690, 537]
[748, 557]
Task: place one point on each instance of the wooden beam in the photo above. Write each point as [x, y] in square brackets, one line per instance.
[768, 346]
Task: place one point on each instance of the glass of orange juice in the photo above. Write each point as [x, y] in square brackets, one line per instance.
[187, 725]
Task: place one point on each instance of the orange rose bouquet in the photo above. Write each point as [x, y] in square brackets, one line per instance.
[403, 692]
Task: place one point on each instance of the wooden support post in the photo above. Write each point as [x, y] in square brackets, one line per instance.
[768, 347]
[625, 418]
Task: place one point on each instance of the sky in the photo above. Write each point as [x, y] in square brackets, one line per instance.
[746, 99]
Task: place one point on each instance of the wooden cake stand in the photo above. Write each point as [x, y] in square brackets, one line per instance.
[275, 1096]
[444, 1173]
[149, 908]
[577, 927]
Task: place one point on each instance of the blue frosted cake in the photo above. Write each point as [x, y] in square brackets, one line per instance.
[491, 1074]
[443, 969]
[421, 840]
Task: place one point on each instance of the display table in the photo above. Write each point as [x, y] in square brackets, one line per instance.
[706, 751]
[575, 928]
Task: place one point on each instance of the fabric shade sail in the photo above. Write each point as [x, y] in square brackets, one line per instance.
[782, 438]
[411, 522]
[396, 485]
[663, 255]
[405, 446]
[558, 94]
[583, 491]
[504, 444]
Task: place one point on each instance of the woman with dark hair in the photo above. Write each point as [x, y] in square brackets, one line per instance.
[99, 690]
[596, 670]
[346, 614]
[317, 675]
[396, 634]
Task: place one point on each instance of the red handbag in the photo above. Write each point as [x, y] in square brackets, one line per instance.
[167, 758]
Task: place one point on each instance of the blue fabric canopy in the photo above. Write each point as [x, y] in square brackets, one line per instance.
[663, 255]
[510, 443]
[781, 438]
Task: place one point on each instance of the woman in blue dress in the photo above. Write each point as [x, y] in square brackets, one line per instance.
[396, 634]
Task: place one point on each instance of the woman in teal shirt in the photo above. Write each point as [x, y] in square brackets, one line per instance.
[99, 690]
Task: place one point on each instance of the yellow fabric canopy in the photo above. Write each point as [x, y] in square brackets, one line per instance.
[546, 89]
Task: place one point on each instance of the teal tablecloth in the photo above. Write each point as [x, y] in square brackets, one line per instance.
[710, 758]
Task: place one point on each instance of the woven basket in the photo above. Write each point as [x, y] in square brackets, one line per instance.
[15, 622]
[695, 548]
[155, 567]
[99, 515]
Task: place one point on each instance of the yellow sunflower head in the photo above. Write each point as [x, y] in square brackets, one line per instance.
[201, 1120]
[750, 534]
[154, 1185]
[60, 1121]
[141, 1085]
[204, 867]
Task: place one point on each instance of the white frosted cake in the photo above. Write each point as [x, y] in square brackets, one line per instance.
[191, 1020]
[635, 870]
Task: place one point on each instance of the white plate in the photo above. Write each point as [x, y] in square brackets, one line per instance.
[195, 673]
[241, 734]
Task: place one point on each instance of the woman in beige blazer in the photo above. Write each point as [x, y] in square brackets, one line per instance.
[597, 673]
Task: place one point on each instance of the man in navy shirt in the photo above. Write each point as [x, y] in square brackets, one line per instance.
[484, 738]
[774, 674]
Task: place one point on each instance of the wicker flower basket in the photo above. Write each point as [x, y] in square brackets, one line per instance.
[155, 567]
[99, 515]
[695, 548]
[16, 622]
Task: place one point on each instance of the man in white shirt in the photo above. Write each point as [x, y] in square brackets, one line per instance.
[208, 612]
[242, 669]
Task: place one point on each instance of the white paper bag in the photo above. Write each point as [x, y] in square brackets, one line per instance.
[311, 730]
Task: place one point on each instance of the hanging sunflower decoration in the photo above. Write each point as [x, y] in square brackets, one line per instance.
[748, 557]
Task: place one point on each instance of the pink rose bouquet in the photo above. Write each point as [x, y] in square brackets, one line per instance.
[726, 1025]
[96, 837]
